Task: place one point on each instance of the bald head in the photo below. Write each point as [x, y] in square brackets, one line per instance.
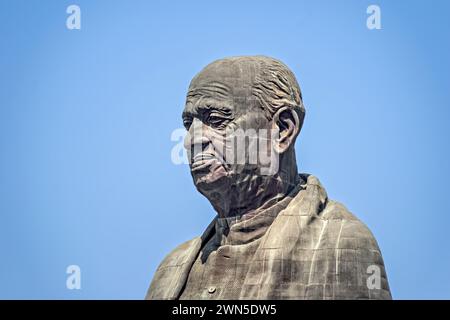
[256, 81]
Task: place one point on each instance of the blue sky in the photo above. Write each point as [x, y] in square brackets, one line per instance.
[86, 116]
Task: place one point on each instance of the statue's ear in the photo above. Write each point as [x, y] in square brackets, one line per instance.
[287, 123]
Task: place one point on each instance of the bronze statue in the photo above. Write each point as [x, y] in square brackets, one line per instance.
[276, 234]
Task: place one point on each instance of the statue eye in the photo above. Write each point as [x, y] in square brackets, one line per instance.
[215, 120]
[187, 122]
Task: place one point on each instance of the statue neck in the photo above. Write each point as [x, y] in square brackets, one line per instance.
[255, 193]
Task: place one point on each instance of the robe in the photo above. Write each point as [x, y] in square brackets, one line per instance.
[306, 246]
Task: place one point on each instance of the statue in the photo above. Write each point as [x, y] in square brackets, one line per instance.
[276, 234]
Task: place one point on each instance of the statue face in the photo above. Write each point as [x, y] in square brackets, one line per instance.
[219, 110]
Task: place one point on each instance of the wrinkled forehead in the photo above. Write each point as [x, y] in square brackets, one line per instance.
[227, 80]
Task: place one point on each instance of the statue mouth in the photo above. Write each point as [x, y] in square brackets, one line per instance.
[205, 162]
[202, 165]
[202, 156]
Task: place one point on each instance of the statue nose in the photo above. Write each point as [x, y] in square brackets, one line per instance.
[196, 136]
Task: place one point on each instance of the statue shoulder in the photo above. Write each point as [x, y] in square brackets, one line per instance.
[337, 211]
[178, 255]
[173, 270]
[358, 256]
[353, 232]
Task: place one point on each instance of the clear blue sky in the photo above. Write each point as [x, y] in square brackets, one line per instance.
[86, 115]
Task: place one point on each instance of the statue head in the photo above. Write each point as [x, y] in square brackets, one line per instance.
[243, 115]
